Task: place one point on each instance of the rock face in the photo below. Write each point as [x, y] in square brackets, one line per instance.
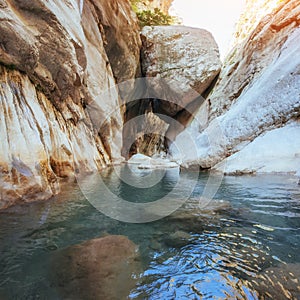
[248, 61]
[276, 150]
[58, 110]
[60, 113]
[188, 56]
[120, 36]
[254, 11]
[99, 268]
[183, 62]
[255, 99]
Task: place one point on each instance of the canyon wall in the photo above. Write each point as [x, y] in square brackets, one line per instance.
[59, 110]
[61, 113]
[253, 111]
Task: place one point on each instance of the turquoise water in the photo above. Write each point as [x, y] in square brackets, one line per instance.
[220, 255]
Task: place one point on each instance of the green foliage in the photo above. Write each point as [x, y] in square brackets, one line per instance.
[154, 18]
[134, 5]
[149, 17]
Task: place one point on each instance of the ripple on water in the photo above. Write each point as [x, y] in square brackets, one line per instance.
[245, 247]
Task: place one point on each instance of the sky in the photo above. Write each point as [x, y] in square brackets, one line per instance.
[217, 16]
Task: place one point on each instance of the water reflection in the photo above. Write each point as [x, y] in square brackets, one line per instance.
[133, 203]
[246, 247]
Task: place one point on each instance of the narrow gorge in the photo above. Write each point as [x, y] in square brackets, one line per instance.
[105, 122]
[54, 74]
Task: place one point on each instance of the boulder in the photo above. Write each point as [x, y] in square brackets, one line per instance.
[188, 57]
[101, 268]
[182, 63]
[146, 162]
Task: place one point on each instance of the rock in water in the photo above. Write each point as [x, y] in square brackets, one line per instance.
[280, 282]
[101, 268]
[146, 162]
[178, 239]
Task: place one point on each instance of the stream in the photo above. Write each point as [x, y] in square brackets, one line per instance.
[239, 251]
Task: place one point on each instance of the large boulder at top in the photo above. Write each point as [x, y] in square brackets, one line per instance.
[59, 110]
[188, 56]
[102, 268]
[253, 112]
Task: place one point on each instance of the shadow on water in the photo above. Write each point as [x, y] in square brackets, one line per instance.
[245, 247]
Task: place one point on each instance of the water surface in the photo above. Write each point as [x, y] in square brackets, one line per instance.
[224, 255]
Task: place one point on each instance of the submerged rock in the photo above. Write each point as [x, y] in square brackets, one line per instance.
[202, 207]
[280, 282]
[102, 268]
[178, 239]
[197, 214]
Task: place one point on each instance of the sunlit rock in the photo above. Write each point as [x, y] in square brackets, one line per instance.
[60, 112]
[256, 93]
[163, 5]
[146, 162]
[277, 150]
[139, 159]
[187, 56]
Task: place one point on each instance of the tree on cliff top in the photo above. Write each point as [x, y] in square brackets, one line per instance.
[153, 17]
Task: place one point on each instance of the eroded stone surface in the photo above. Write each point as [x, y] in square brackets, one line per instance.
[60, 111]
[256, 93]
[180, 64]
[187, 56]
